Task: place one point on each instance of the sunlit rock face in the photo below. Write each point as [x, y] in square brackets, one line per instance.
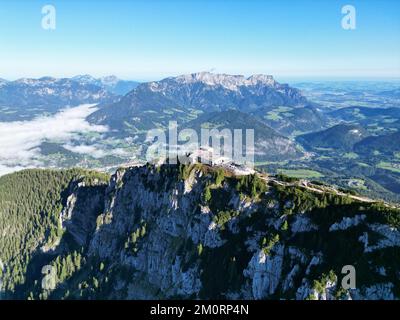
[189, 250]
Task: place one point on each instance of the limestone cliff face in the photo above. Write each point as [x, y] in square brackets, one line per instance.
[263, 242]
[83, 205]
[167, 214]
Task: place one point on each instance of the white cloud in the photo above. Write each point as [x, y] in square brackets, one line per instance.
[122, 153]
[93, 150]
[20, 140]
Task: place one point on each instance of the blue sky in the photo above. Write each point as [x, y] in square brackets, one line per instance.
[146, 40]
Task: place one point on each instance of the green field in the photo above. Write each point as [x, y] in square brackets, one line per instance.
[274, 116]
[395, 167]
[350, 155]
[266, 163]
[301, 173]
[362, 164]
[277, 113]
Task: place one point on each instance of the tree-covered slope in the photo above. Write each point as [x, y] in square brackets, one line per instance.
[387, 144]
[340, 137]
[30, 205]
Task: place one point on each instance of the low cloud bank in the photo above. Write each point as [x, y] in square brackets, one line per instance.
[20, 140]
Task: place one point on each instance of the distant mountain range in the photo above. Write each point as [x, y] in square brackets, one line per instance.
[51, 91]
[184, 97]
[232, 100]
[110, 83]
[27, 98]
[62, 91]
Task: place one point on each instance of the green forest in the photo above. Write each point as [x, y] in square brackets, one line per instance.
[30, 205]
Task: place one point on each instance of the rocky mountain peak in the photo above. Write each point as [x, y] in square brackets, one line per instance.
[262, 78]
[86, 78]
[109, 80]
[27, 81]
[230, 82]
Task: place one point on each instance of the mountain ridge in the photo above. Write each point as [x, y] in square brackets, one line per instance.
[48, 91]
[193, 94]
[111, 83]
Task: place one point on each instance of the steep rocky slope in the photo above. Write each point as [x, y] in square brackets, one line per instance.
[201, 232]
